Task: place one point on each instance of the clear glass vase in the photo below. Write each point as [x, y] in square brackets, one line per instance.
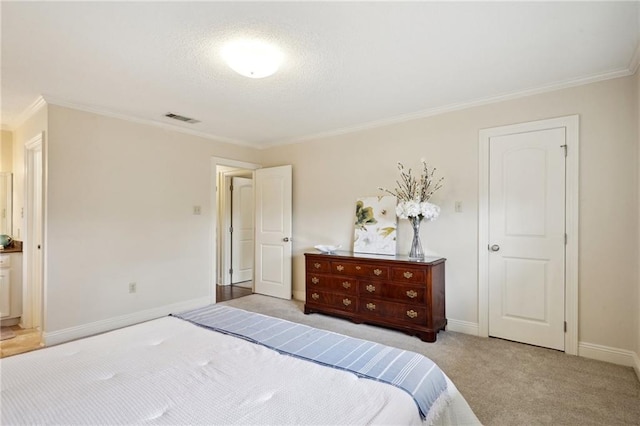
[416, 251]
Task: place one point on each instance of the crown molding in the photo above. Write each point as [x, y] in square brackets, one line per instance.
[167, 126]
[6, 127]
[28, 112]
[457, 107]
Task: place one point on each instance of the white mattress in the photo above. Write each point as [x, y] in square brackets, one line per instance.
[168, 371]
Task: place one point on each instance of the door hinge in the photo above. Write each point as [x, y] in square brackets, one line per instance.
[565, 326]
[230, 271]
[566, 148]
[231, 188]
[566, 238]
[231, 229]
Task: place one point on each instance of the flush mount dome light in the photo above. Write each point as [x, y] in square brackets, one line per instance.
[252, 58]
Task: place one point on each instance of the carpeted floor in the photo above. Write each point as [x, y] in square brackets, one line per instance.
[505, 383]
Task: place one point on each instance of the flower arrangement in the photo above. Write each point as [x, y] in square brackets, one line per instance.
[413, 193]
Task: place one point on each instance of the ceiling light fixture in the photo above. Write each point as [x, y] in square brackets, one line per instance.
[252, 58]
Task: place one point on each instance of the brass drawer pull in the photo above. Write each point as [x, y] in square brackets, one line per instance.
[377, 272]
[412, 294]
[370, 288]
[412, 314]
[340, 268]
[346, 302]
[371, 306]
[407, 274]
[358, 268]
[317, 265]
[346, 284]
[315, 296]
[315, 280]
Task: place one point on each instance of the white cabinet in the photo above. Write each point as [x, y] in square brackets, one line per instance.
[10, 285]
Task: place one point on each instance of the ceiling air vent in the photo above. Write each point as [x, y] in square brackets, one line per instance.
[181, 118]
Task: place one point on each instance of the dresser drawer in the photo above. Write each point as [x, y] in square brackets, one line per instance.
[345, 285]
[317, 265]
[5, 260]
[360, 269]
[408, 275]
[395, 292]
[336, 301]
[397, 311]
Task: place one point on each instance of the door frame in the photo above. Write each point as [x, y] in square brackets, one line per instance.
[571, 124]
[225, 222]
[213, 240]
[34, 302]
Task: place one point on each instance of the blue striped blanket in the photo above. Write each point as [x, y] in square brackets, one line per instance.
[412, 372]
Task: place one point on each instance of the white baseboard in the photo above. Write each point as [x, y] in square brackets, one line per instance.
[636, 364]
[608, 354]
[299, 295]
[465, 327]
[84, 330]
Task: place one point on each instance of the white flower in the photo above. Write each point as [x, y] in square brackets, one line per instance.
[429, 211]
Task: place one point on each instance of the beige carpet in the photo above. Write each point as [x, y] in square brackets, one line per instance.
[505, 383]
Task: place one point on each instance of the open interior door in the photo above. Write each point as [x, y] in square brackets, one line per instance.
[273, 232]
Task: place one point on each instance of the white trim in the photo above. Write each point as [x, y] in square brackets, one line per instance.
[465, 327]
[6, 127]
[455, 107]
[572, 125]
[168, 126]
[96, 327]
[33, 298]
[299, 295]
[636, 364]
[29, 112]
[607, 354]
[635, 59]
[213, 238]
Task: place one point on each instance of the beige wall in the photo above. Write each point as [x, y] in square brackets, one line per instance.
[120, 202]
[330, 173]
[6, 151]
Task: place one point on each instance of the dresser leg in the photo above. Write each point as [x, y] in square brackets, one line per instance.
[427, 336]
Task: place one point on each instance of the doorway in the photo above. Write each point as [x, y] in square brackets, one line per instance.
[528, 233]
[234, 219]
[33, 304]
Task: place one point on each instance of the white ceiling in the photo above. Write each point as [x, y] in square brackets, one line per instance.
[347, 66]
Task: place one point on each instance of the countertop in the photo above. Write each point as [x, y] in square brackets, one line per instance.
[16, 247]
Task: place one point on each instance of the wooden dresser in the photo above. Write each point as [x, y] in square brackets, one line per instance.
[391, 291]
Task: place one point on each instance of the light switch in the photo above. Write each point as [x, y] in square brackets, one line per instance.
[458, 206]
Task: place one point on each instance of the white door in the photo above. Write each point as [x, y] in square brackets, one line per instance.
[242, 230]
[527, 237]
[273, 232]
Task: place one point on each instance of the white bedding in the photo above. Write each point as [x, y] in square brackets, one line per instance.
[168, 371]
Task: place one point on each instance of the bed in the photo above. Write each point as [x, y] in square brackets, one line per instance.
[173, 371]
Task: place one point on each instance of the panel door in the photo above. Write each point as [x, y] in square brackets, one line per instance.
[273, 232]
[242, 217]
[527, 237]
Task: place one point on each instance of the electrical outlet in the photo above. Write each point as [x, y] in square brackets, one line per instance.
[197, 210]
[133, 287]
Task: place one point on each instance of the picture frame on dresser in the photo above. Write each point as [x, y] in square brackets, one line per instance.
[389, 291]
